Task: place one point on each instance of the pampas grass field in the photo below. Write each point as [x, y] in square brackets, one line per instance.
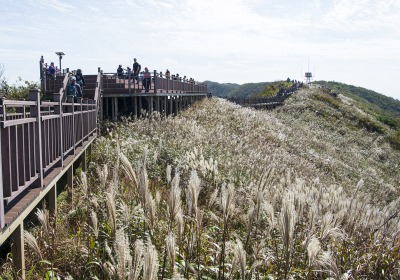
[304, 191]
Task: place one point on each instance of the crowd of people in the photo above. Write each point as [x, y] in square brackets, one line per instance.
[145, 76]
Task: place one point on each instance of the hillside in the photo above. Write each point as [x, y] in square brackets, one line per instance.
[232, 90]
[307, 191]
[220, 90]
[247, 90]
[384, 108]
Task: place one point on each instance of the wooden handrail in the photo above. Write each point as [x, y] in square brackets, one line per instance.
[36, 141]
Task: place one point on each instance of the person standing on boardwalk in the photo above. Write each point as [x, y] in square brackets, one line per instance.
[146, 79]
[136, 70]
[74, 89]
[80, 79]
[52, 70]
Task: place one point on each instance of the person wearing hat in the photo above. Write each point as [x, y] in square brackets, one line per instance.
[74, 89]
[80, 79]
[136, 70]
[120, 71]
[52, 70]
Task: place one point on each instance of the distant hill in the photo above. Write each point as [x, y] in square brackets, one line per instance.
[248, 90]
[231, 90]
[385, 109]
[220, 90]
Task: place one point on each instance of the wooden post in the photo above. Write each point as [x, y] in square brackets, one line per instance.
[53, 201]
[165, 106]
[70, 182]
[151, 105]
[158, 104]
[83, 158]
[140, 106]
[171, 111]
[108, 116]
[176, 105]
[1, 178]
[136, 101]
[125, 103]
[71, 109]
[17, 249]
[34, 95]
[58, 110]
[112, 108]
[116, 108]
[101, 108]
[155, 82]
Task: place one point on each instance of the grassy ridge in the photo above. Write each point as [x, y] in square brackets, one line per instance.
[385, 109]
[293, 193]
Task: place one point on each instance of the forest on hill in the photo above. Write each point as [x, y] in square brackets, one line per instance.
[385, 109]
[309, 190]
[228, 90]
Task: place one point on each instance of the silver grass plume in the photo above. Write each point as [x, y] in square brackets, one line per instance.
[137, 260]
[95, 224]
[174, 200]
[128, 169]
[122, 252]
[43, 217]
[227, 197]
[31, 241]
[326, 260]
[194, 191]
[313, 248]
[152, 210]
[287, 222]
[241, 253]
[177, 275]
[158, 198]
[213, 198]
[269, 209]
[150, 266]
[179, 224]
[111, 212]
[84, 183]
[144, 186]
[170, 244]
[125, 211]
[109, 253]
[168, 173]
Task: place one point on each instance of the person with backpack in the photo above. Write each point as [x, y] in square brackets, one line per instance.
[80, 79]
[74, 89]
[136, 70]
[120, 71]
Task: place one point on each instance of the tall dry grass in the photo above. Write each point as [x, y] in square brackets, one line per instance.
[225, 192]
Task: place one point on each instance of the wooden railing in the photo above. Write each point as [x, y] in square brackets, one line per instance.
[38, 137]
[158, 83]
[280, 96]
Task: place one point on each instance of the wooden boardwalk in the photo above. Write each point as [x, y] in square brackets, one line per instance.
[42, 138]
[267, 102]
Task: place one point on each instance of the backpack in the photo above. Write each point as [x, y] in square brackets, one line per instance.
[71, 90]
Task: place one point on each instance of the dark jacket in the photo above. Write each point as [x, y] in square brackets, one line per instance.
[77, 89]
[80, 77]
[136, 68]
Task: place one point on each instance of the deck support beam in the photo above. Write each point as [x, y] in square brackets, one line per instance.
[70, 182]
[53, 201]
[17, 249]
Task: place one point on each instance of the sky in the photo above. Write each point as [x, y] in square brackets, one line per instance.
[228, 41]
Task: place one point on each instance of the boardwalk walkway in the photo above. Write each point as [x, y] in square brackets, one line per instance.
[41, 139]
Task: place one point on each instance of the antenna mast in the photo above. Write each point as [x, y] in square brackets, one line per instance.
[308, 75]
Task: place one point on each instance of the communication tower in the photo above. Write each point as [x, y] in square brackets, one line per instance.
[308, 75]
